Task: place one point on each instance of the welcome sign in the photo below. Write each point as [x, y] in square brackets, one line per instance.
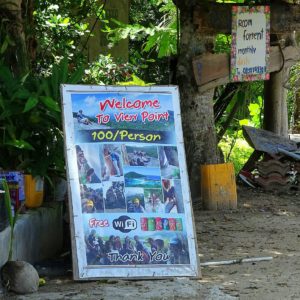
[250, 43]
[129, 194]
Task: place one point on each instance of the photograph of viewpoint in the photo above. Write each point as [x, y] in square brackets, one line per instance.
[142, 177]
[92, 198]
[141, 156]
[88, 163]
[111, 162]
[169, 164]
[114, 198]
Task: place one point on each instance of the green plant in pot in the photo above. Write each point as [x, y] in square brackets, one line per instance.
[17, 276]
[31, 138]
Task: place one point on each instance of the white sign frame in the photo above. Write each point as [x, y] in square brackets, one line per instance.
[81, 269]
[250, 50]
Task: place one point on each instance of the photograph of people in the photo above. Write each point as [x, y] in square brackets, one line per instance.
[135, 200]
[92, 198]
[83, 119]
[111, 161]
[178, 250]
[85, 110]
[88, 163]
[100, 249]
[172, 196]
[114, 198]
[154, 201]
[140, 156]
[169, 163]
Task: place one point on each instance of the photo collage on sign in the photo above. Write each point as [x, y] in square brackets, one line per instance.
[118, 178]
[137, 189]
[128, 249]
[131, 196]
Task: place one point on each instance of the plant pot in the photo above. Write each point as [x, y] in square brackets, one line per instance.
[34, 191]
[218, 187]
[3, 212]
[60, 189]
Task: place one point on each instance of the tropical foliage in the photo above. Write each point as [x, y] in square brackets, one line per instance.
[56, 34]
[31, 138]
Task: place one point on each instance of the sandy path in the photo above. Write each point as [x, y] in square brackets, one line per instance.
[263, 225]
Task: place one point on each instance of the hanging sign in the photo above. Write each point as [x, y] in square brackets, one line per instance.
[130, 202]
[250, 43]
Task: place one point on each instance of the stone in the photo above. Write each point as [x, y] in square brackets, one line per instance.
[20, 277]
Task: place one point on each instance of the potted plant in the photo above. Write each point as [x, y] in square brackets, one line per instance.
[31, 138]
[17, 276]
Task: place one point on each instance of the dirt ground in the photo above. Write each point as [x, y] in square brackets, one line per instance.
[263, 225]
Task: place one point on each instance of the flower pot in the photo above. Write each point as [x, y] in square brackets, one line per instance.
[4, 222]
[218, 187]
[34, 191]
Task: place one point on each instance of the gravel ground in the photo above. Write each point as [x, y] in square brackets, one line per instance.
[263, 225]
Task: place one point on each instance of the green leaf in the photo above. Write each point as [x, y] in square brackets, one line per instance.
[76, 76]
[65, 22]
[50, 103]
[21, 144]
[54, 80]
[4, 46]
[254, 109]
[244, 122]
[135, 81]
[23, 79]
[7, 201]
[30, 104]
[44, 87]
[21, 93]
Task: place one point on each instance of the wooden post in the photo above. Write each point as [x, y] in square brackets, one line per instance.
[275, 108]
[218, 187]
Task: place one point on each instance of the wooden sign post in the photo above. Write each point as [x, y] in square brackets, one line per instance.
[130, 202]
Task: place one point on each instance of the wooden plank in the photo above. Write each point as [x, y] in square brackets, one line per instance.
[210, 67]
[211, 70]
[250, 164]
[295, 137]
[212, 18]
[267, 141]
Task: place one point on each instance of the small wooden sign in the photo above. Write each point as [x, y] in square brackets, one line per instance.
[250, 43]
[210, 67]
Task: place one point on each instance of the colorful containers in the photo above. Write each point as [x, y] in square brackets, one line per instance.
[34, 191]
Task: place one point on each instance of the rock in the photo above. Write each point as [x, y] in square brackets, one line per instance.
[20, 277]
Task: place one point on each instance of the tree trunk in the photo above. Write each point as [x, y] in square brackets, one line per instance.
[296, 127]
[275, 107]
[15, 55]
[296, 114]
[197, 109]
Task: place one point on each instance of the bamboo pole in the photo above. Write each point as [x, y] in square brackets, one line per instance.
[235, 261]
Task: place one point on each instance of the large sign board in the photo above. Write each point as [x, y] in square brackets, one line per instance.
[250, 43]
[130, 202]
